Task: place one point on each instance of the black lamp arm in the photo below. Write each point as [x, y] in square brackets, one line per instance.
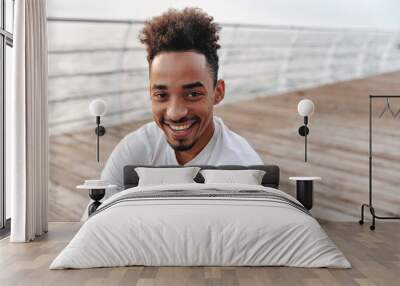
[100, 131]
[303, 131]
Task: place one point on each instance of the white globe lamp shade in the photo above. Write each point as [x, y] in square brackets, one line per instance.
[305, 107]
[98, 107]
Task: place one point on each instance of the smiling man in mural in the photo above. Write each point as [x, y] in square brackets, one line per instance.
[184, 88]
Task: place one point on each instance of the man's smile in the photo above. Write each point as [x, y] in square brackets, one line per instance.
[181, 130]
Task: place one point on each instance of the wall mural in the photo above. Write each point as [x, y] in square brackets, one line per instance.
[267, 70]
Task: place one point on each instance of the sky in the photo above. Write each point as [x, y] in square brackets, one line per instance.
[380, 14]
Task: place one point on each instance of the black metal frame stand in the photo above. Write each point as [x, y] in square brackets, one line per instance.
[369, 205]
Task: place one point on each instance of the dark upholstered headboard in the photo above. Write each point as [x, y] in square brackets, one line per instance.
[270, 179]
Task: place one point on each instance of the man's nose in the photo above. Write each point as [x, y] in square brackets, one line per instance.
[176, 110]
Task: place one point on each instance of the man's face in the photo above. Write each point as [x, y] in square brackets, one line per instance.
[182, 97]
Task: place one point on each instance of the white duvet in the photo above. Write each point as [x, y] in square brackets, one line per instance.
[200, 231]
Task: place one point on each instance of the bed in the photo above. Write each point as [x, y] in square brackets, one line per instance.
[201, 224]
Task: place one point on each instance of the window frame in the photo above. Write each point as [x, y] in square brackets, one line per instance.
[6, 39]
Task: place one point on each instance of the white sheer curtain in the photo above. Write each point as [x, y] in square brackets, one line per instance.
[26, 123]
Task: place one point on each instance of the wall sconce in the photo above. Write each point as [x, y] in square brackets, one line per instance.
[98, 107]
[305, 108]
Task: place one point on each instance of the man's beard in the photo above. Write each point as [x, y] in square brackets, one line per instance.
[182, 147]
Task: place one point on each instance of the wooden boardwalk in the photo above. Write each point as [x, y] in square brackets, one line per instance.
[374, 255]
[338, 148]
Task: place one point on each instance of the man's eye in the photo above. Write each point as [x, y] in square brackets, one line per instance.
[194, 94]
[160, 96]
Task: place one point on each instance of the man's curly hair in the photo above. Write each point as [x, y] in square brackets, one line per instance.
[189, 29]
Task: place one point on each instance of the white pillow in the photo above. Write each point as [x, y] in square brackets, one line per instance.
[162, 176]
[249, 177]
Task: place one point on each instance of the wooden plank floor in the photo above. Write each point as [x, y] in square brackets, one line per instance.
[338, 148]
[374, 255]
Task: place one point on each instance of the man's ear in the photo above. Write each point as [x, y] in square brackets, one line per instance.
[219, 91]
